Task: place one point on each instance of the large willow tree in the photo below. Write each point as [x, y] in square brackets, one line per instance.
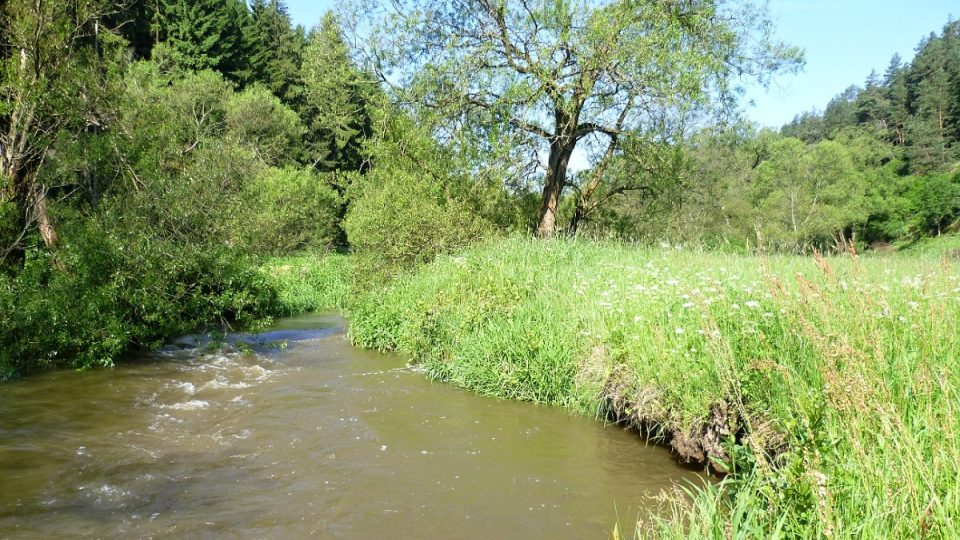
[564, 73]
[50, 82]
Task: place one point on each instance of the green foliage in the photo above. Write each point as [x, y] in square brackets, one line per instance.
[204, 34]
[111, 288]
[934, 203]
[551, 75]
[807, 195]
[412, 206]
[737, 188]
[191, 151]
[184, 187]
[55, 75]
[398, 220]
[257, 119]
[916, 106]
[310, 282]
[288, 210]
[274, 50]
[337, 99]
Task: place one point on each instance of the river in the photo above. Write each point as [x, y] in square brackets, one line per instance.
[293, 433]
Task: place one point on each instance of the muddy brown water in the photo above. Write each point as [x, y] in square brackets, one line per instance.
[293, 433]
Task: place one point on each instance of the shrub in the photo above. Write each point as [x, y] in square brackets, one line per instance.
[109, 288]
[288, 210]
[398, 221]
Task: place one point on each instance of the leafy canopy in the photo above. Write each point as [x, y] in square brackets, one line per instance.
[564, 72]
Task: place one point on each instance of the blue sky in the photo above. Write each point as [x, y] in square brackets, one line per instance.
[844, 40]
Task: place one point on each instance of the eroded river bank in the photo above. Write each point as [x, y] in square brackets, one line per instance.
[293, 432]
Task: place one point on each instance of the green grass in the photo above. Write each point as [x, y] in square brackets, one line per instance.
[939, 246]
[308, 282]
[828, 387]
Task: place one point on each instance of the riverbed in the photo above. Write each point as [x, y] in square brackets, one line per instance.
[293, 432]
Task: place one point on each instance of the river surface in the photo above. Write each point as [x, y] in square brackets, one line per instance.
[292, 433]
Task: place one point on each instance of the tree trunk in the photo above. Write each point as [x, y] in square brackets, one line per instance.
[578, 214]
[560, 151]
[586, 195]
[42, 216]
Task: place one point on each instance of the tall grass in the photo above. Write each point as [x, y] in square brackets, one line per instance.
[309, 282]
[827, 387]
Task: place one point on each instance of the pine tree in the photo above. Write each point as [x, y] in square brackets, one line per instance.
[204, 34]
[134, 21]
[841, 112]
[895, 86]
[275, 49]
[872, 104]
[337, 97]
[929, 91]
[951, 37]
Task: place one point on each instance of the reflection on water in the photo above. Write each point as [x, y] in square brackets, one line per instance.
[291, 433]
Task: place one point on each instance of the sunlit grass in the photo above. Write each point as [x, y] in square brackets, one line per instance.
[831, 382]
[309, 282]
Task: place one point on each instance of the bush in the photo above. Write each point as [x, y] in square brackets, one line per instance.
[398, 221]
[935, 202]
[109, 289]
[288, 210]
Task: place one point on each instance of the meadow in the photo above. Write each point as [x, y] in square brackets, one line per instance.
[823, 390]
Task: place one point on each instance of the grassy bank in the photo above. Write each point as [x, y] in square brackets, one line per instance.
[305, 283]
[827, 386]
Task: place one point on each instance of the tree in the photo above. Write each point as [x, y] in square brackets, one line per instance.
[186, 147]
[808, 194]
[205, 34]
[411, 205]
[872, 105]
[841, 112]
[336, 101]
[275, 49]
[566, 72]
[895, 83]
[134, 20]
[47, 85]
[929, 93]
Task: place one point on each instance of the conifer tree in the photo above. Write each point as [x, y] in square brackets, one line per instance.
[336, 96]
[204, 34]
[873, 106]
[275, 48]
[895, 85]
[929, 93]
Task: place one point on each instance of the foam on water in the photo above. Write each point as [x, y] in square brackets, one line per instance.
[192, 405]
[187, 387]
[221, 383]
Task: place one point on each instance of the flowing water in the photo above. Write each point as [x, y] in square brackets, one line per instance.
[293, 433]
